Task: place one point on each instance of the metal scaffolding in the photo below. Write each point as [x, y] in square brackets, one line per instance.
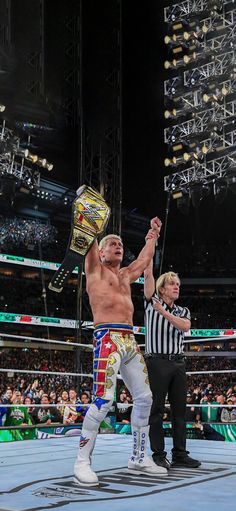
[200, 95]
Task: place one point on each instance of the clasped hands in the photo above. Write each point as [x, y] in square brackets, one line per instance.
[154, 232]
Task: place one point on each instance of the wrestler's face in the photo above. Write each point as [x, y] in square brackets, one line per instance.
[170, 291]
[112, 252]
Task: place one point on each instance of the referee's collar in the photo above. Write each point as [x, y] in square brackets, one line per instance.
[166, 306]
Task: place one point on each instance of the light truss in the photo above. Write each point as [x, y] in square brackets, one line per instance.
[183, 9]
[220, 114]
[216, 68]
[19, 171]
[200, 93]
[209, 43]
[9, 164]
[209, 29]
[201, 73]
[197, 80]
[212, 170]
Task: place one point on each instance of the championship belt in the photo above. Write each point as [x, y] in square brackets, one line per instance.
[90, 215]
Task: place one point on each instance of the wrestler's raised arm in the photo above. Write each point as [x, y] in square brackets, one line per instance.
[149, 281]
[92, 259]
[137, 267]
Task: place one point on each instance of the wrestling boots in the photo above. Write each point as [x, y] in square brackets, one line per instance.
[139, 462]
[83, 474]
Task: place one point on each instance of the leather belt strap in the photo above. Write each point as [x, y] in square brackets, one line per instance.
[90, 215]
[164, 356]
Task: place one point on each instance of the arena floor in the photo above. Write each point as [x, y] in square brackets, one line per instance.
[38, 475]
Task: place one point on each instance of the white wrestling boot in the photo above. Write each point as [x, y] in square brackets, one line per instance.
[83, 473]
[139, 462]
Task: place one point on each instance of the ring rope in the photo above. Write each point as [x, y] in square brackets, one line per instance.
[90, 346]
[119, 405]
[50, 341]
[91, 376]
[195, 339]
[44, 373]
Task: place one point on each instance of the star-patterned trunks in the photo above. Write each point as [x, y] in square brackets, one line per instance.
[113, 343]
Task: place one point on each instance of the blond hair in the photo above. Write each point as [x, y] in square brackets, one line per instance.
[105, 240]
[166, 277]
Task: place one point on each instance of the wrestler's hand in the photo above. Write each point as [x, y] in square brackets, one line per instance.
[151, 234]
[156, 224]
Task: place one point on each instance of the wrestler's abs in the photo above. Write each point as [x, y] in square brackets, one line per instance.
[110, 304]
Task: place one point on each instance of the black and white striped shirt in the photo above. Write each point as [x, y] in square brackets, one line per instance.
[161, 336]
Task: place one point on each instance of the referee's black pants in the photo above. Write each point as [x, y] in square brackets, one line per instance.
[167, 377]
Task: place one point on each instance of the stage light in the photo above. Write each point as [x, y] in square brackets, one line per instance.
[224, 91]
[170, 162]
[170, 39]
[42, 162]
[218, 93]
[190, 58]
[2, 108]
[177, 147]
[170, 114]
[187, 59]
[177, 195]
[191, 148]
[49, 166]
[192, 32]
[179, 25]
[32, 157]
[170, 64]
[23, 153]
[204, 149]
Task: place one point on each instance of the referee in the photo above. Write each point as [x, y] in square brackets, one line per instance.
[165, 325]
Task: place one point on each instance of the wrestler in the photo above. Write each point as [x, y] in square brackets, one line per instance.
[115, 349]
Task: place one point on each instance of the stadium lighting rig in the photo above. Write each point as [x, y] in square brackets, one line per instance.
[16, 161]
[200, 99]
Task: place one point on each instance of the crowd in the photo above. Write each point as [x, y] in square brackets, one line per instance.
[23, 294]
[64, 396]
[70, 406]
[65, 399]
[20, 237]
[20, 232]
[55, 407]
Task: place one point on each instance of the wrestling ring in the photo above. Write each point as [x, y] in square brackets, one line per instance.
[37, 475]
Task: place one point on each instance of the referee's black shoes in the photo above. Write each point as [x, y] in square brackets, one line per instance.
[161, 461]
[184, 461]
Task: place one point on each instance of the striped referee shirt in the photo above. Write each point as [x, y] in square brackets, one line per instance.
[161, 336]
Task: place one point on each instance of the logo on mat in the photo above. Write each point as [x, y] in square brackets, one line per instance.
[115, 484]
